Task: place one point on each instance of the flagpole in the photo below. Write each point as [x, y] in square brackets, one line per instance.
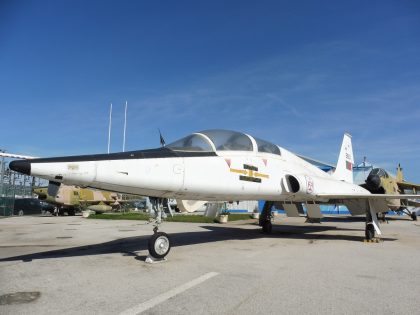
[109, 127]
[125, 124]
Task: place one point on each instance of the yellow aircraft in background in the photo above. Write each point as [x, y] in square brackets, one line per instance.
[69, 199]
[379, 181]
[72, 198]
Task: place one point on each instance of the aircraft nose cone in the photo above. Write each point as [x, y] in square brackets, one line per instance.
[21, 166]
[373, 182]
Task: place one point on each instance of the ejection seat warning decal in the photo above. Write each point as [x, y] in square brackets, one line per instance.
[249, 173]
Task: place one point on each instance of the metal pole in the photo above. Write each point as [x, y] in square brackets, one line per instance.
[2, 174]
[109, 127]
[3, 200]
[125, 124]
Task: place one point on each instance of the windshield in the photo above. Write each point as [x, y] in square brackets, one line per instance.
[194, 142]
[226, 140]
[222, 140]
[265, 146]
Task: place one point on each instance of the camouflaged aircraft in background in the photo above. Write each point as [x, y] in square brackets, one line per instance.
[69, 199]
[72, 198]
[379, 181]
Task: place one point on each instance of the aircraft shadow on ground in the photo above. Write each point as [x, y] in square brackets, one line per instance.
[361, 218]
[129, 245]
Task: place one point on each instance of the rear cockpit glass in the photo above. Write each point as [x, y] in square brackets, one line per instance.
[226, 140]
[194, 142]
[267, 147]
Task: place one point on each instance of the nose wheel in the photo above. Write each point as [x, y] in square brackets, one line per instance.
[159, 245]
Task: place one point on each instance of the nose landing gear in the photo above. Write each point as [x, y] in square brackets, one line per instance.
[159, 244]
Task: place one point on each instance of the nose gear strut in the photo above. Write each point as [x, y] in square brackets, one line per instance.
[159, 244]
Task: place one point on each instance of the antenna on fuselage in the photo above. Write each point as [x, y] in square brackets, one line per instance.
[162, 141]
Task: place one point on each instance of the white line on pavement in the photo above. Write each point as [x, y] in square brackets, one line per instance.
[167, 295]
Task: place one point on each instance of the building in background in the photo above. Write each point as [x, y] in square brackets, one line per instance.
[14, 186]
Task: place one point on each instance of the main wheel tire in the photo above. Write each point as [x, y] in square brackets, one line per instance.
[267, 227]
[159, 245]
[370, 231]
[20, 213]
[414, 216]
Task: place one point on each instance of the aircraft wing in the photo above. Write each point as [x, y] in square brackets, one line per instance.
[17, 156]
[408, 185]
[371, 196]
[322, 165]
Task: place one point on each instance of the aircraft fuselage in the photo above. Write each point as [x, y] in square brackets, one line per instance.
[213, 176]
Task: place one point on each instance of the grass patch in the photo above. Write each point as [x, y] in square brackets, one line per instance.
[176, 218]
[190, 218]
[239, 216]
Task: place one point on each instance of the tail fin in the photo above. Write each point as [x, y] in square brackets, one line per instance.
[400, 175]
[344, 169]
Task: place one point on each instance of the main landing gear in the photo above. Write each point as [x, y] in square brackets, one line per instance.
[265, 218]
[372, 224]
[369, 231]
[411, 214]
[159, 244]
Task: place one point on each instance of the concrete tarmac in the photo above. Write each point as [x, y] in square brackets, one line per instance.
[72, 265]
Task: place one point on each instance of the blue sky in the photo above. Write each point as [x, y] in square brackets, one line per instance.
[298, 73]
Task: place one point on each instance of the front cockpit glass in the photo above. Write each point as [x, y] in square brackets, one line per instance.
[191, 143]
[226, 140]
[267, 147]
[380, 172]
[375, 171]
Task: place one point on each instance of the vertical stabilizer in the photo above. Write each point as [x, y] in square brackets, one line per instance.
[344, 170]
[400, 175]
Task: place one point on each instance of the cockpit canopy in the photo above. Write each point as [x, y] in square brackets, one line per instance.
[221, 140]
[380, 172]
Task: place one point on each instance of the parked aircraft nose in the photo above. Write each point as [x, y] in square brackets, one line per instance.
[41, 192]
[21, 166]
[373, 182]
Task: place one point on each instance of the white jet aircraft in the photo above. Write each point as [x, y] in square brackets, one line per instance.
[217, 165]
